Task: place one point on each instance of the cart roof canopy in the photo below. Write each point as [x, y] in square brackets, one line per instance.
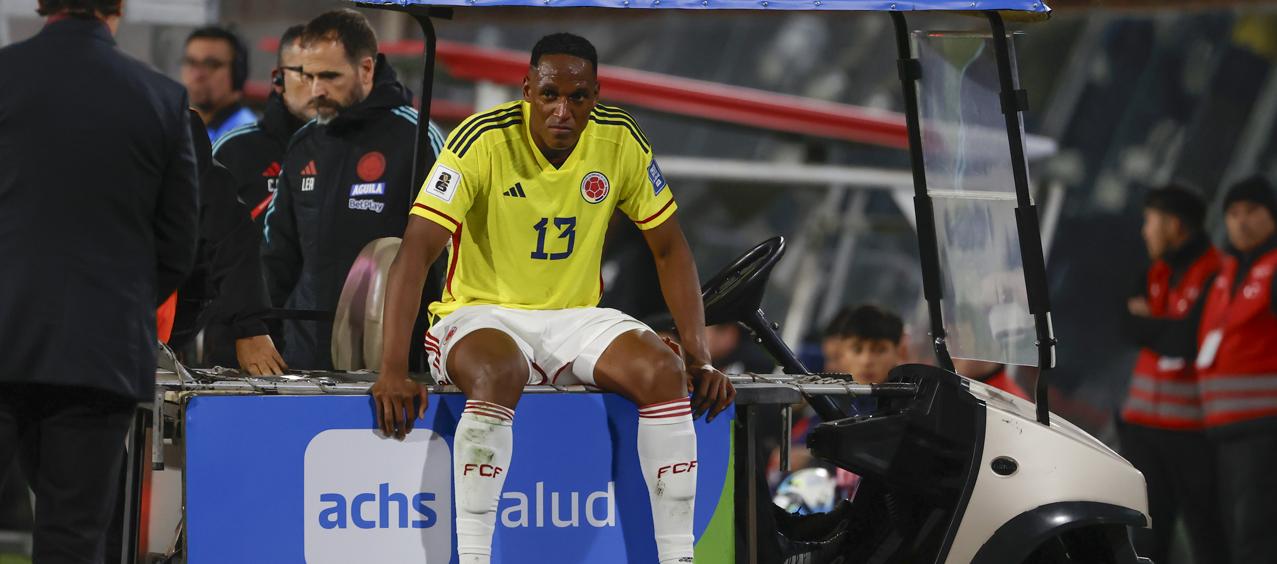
[1031, 6]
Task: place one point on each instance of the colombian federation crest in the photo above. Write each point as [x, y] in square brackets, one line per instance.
[594, 187]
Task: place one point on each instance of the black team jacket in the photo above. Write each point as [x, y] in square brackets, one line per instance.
[226, 289]
[254, 153]
[344, 184]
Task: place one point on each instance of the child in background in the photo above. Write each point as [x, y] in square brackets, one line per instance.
[866, 342]
[872, 344]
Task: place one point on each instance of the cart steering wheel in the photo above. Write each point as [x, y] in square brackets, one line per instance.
[736, 292]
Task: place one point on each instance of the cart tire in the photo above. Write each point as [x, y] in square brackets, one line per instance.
[1099, 544]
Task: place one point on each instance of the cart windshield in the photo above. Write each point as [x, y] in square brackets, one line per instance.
[969, 178]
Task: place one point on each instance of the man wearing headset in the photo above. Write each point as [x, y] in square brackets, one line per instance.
[254, 152]
[214, 68]
[346, 180]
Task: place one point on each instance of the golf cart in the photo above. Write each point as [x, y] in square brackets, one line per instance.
[952, 470]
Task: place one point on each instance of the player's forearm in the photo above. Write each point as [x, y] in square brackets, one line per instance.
[404, 282]
[401, 307]
[681, 287]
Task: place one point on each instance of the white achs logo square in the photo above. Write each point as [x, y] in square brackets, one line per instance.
[371, 499]
[443, 183]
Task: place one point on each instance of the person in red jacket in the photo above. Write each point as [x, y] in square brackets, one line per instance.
[1237, 371]
[1161, 420]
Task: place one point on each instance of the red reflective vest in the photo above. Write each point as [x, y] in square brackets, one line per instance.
[1237, 351]
[1164, 392]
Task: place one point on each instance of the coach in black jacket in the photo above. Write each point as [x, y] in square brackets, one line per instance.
[225, 295]
[97, 224]
[347, 178]
[254, 153]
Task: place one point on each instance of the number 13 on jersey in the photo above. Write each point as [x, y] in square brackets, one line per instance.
[567, 230]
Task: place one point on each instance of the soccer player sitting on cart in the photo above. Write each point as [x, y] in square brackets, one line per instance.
[524, 192]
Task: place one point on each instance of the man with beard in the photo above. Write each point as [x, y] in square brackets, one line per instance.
[255, 152]
[346, 180]
[214, 68]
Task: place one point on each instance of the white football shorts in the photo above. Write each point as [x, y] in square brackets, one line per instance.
[561, 345]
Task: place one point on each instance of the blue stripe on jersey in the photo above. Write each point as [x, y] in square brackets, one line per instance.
[407, 113]
[435, 134]
[241, 130]
[436, 138]
[270, 210]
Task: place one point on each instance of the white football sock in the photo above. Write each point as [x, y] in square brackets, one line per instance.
[667, 453]
[482, 448]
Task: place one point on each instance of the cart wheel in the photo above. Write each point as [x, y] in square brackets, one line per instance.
[1107, 544]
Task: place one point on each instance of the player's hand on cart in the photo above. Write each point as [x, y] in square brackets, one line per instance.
[395, 402]
[711, 391]
[259, 356]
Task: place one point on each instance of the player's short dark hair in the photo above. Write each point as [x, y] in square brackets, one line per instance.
[565, 44]
[239, 53]
[290, 35]
[79, 8]
[873, 323]
[346, 26]
[1180, 202]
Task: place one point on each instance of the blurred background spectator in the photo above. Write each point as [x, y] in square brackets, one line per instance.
[214, 70]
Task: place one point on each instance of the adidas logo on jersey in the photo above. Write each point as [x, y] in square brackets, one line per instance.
[516, 191]
[309, 169]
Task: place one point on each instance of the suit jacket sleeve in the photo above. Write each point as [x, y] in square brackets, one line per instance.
[281, 248]
[176, 224]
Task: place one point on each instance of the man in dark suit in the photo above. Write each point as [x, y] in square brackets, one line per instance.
[97, 224]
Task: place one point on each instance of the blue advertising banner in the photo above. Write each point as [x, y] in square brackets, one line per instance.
[284, 479]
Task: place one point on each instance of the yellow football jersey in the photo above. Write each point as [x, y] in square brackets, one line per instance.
[526, 234]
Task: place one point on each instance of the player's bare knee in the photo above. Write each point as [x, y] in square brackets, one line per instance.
[500, 376]
[664, 378]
